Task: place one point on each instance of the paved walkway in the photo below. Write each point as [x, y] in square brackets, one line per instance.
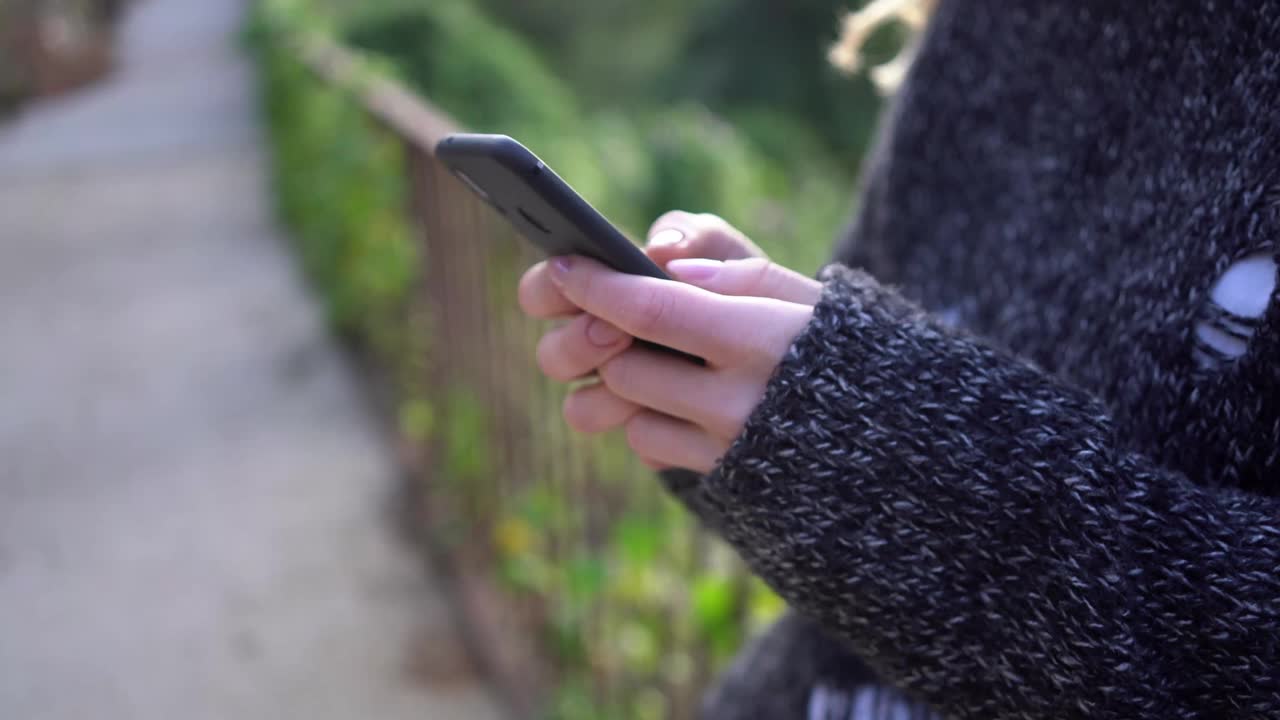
[195, 498]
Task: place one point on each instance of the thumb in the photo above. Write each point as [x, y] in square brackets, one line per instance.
[679, 234]
[755, 277]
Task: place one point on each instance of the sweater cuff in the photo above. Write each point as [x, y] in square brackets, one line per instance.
[871, 376]
[817, 377]
[874, 385]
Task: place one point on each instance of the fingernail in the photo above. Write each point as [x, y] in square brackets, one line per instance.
[694, 269]
[668, 236]
[602, 334]
[560, 267]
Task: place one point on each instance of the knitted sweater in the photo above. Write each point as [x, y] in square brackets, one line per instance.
[1052, 497]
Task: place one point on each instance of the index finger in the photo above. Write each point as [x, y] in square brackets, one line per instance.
[719, 328]
[540, 298]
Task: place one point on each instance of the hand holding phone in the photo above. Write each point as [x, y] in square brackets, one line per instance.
[541, 206]
[742, 316]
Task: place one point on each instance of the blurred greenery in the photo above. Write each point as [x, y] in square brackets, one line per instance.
[714, 106]
[740, 58]
[761, 133]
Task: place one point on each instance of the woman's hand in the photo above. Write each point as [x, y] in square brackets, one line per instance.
[741, 315]
[677, 235]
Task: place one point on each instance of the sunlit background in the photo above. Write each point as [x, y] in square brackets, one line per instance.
[271, 439]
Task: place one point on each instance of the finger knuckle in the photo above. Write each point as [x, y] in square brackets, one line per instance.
[713, 231]
[650, 310]
[723, 240]
[552, 360]
[714, 241]
[579, 414]
[616, 373]
[711, 220]
[760, 275]
[670, 217]
[640, 436]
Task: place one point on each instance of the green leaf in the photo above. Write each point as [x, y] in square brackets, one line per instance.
[417, 419]
[586, 576]
[713, 602]
[637, 538]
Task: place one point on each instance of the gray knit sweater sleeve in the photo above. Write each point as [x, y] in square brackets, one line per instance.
[974, 529]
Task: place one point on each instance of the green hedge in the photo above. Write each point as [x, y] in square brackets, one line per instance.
[339, 185]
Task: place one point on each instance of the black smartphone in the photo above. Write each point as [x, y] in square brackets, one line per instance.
[542, 207]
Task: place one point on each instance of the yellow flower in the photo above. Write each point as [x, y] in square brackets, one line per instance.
[513, 536]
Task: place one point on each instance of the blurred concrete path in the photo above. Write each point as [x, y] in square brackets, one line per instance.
[195, 500]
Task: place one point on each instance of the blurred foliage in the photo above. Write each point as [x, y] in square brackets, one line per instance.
[762, 63]
[742, 59]
[483, 74]
[715, 106]
[635, 144]
[339, 185]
